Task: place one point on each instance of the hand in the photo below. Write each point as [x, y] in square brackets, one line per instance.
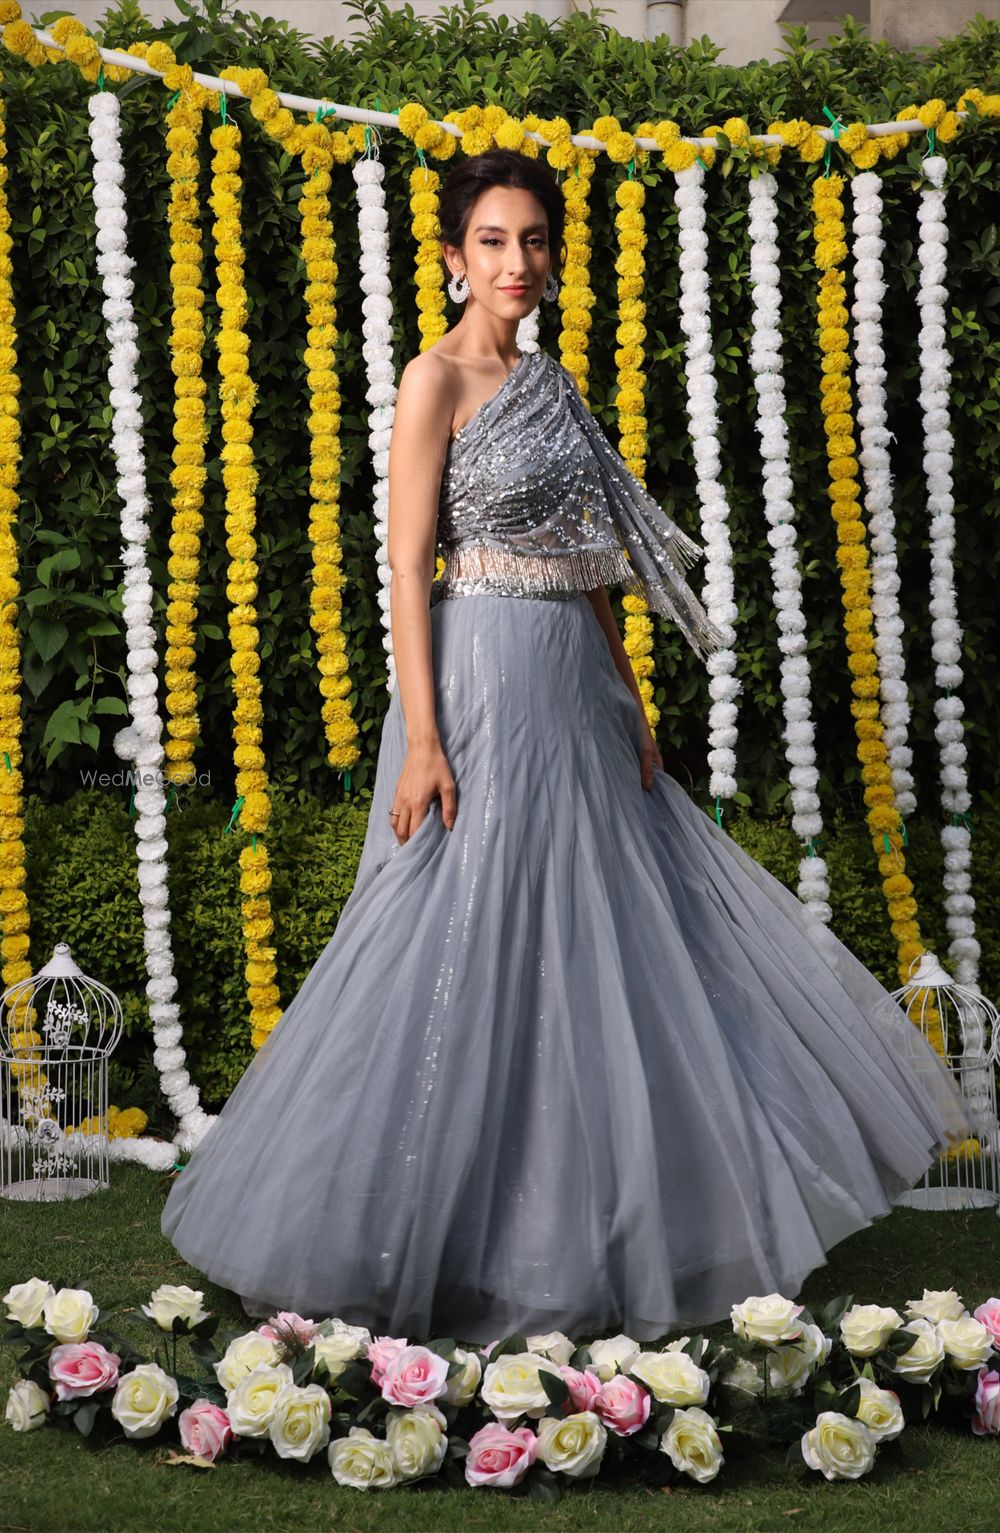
[649, 755]
[425, 775]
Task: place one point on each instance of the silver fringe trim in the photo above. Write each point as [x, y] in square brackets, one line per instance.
[582, 570]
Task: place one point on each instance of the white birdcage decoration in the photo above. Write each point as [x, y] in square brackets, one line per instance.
[968, 1174]
[57, 1030]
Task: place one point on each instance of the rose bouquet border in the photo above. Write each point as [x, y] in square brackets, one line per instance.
[528, 1414]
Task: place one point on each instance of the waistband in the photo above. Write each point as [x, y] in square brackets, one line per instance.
[486, 585]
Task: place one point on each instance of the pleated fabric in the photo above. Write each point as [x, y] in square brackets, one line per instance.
[578, 1063]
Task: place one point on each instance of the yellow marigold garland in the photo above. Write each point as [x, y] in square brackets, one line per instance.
[882, 816]
[187, 341]
[237, 395]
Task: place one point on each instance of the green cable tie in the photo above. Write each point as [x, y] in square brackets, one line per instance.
[347, 780]
[235, 814]
[7, 764]
[826, 159]
[170, 798]
[631, 170]
[178, 1165]
[931, 140]
[699, 161]
[100, 78]
[222, 105]
[173, 100]
[718, 808]
[906, 835]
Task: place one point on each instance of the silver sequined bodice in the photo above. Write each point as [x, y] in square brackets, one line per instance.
[535, 501]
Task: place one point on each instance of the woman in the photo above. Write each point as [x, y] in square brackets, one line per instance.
[571, 1059]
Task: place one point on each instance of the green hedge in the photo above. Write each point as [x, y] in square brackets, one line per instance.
[68, 526]
[83, 890]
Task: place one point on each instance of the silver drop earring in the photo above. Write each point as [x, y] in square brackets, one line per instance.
[458, 287]
[551, 290]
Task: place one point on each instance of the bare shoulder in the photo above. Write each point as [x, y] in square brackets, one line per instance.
[426, 390]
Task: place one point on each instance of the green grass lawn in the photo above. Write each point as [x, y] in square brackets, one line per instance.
[945, 1481]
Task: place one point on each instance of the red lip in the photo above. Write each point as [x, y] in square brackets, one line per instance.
[513, 290]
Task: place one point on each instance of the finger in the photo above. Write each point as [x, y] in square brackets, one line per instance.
[402, 826]
[448, 805]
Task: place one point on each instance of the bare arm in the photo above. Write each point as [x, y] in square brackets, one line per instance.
[601, 603]
[416, 460]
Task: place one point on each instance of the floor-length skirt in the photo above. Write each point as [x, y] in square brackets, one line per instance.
[579, 1062]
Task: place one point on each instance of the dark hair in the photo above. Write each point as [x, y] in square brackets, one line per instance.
[465, 183]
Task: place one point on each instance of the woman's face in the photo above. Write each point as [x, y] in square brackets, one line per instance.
[506, 255]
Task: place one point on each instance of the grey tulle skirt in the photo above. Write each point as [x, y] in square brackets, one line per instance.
[578, 1063]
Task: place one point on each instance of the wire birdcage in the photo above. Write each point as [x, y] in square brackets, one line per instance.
[57, 1029]
[962, 1025]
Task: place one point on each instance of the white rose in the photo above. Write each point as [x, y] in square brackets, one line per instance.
[880, 1411]
[362, 1461]
[937, 1304]
[790, 1366]
[359, 1333]
[918, 1363]
[766, 1317]
[69, 1314]
[692, 1444]
[744, 1375]
[512, 1388]
[243, 1355]
[337, 1351]
[250, 1405]
[611, 1353]
[573, 1444]
[144, 1400]
[27, 1406]
[866, 1328]
[672, 1377]
[26, 1301]
[461, 1387]
[417, 1441]
[178, 1301]
[966, 1341]
[681, 1343]
[300, 1421]
[841, 1447]
[553, 1344]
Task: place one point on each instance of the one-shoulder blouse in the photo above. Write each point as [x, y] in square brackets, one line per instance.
[534, 499]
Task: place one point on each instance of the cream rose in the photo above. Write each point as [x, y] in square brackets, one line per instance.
[144, 1400]
[362, 1461]
[936, 1304]
[172, 1302]
[572, 1444]
[250, 1405]
[866, 1328]
[611, 1354]
[791, 1366]
[880, 1411]
[744, 1375]
[417, 1441]
[337, 1351]
[69, 1314]
[672, 1377]
[26, 1301]
[243, 1355]
[682, 1341]
[300, 1421]
[967, 1342]
[461, 1387]
[840, 1447]
[512, 1388]
[918, 1363]
[553, 1344]
[766, 1317]
[27, 1406]
[693, 1445]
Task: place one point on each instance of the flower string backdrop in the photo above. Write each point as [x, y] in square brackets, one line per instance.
[870, 621]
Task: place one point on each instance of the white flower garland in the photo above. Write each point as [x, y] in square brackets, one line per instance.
[376, 307]
[946, 632]
[718, 593]
[140, 742]
[869, 290]
[779, 508]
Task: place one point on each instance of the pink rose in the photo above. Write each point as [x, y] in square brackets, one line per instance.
[623, 1404]
[79, 1368]
[205, 1429]
[381, 1352]
[986, 1421]
[414, 1376]
[988, 1314]
[286, 1323]
[584, 1388]
[498, 1456]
